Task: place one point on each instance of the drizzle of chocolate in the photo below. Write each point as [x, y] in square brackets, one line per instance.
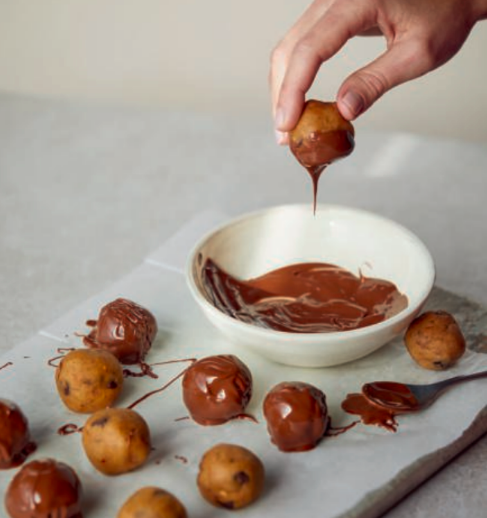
[184, 418]
[69, 429]
[184, 460]
[145, 370]
[370, 413]
[333, 431]
[303, 298]
[166, 385]
[62, 353]
[8, 364]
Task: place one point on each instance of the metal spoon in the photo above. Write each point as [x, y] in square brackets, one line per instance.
[401, 397]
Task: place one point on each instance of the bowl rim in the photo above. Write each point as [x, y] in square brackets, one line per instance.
[263, 332]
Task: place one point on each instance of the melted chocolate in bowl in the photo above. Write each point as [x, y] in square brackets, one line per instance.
[303, 298]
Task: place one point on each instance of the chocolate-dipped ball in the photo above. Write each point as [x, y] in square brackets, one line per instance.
[434, 340]
[125, 329]
[116, 440]
[44, 489]
[152, 502]
[217, 389]
[321, 135]
[230, 476]
[296, 415]
[15, 443]
[89, 380]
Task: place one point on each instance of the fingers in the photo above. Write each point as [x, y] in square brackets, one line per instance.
[280, 55]
[335, 27]
[405, 60]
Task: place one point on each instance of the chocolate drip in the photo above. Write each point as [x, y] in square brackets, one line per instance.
[303, 298]
[369, 413]
[166, 385]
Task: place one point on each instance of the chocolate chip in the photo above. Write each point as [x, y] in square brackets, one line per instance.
[100, 422]
[66, 388]
[227, 505]
[241, 477]
[159, 492]
[112, 384]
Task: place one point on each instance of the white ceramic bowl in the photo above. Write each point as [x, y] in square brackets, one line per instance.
[255, 243]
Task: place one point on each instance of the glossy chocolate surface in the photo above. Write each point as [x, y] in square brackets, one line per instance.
[303, 298]
[296, 415]
[369, 413]
[44, 489]
[15, 443]
[395, 396]
[125, 329]
[217, 389]
[321, 137]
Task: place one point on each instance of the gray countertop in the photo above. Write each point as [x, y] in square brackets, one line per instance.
[86, 192]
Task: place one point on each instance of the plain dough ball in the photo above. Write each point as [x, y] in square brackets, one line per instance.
[152, 502]
[116, 440]
[89, 380]
[230, 476]
[434, 340]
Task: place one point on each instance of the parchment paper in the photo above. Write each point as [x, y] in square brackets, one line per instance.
[359, 473]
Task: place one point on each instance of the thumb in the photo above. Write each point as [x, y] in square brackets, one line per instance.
[402, 62]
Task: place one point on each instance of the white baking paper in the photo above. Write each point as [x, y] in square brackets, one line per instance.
[355, 474]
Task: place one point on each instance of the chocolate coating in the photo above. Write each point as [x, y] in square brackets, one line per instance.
[296, 415]
[125, 329]
[44, 489]
[217, 389]
[15, 443]
[320, 137]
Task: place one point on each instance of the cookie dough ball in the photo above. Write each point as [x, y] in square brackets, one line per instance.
[116, 440]
[42, 489]
[152, 502]
[321, 135]
[89, 380]
[216, 389]
[125, 329]
[434, 340]
[230, 476]
[296, 415]
[15, 443]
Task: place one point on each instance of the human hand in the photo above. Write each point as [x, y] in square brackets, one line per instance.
[421, 35]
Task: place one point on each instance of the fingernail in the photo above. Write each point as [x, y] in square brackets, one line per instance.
[279, 118]
[353, 102]
[280, 137]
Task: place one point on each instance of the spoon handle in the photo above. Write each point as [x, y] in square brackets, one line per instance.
[441, 385]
